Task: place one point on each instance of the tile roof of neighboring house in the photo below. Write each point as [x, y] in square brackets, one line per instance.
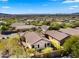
[57, 35]
[17, 24]
[33, 37]
[25, 27]
[70, 31]
[77, 28]
[44, 27]
[22, 26]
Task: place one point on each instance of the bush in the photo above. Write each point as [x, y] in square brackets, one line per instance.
[47, 50]
[15, 49]
[71, 46]
[55, 26]
[75, 50]
[69, 42]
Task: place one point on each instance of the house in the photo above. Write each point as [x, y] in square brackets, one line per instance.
[77, 28]
[35, 40]
[44, 27]
[25, 27]
[56, 36]
[22, 26]
[14, 25]
[70, 31]
[3, 36]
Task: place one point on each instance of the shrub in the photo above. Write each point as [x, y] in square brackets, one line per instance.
[55, 26]
[71, 46]
[47, 50]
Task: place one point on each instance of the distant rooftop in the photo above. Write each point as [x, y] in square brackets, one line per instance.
[70, 31]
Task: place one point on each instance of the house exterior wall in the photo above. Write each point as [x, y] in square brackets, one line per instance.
[42, 44]
[54, 42]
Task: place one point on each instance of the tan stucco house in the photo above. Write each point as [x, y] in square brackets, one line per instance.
[35, 40]
[56, 36]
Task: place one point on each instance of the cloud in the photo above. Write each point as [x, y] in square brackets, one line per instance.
[4, 0]
[73, 7]
[70, 1]
[5, 7]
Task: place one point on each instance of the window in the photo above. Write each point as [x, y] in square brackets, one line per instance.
[38, 45]
[45, 44]
[48, 44]
[32, 46]
[3, 38]
[7, 37]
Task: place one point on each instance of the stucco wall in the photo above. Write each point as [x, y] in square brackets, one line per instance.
[55, 42]
[41, 44]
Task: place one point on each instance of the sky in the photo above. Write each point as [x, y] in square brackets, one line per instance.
[39, 6]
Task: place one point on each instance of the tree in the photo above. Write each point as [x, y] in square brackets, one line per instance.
[55, 26]
[71, 46]
[69, 42]
[76, 23]
[10, 20]
[66, 25]
[46, 23]
[75, 50]
[4, 28]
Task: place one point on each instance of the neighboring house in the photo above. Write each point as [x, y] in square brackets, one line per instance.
[77, 28]
[3, 36]
[70, 31]
[44, 27]
[35, 40]
[25, 27]
[56, 36]
[14, 25]
[22, 26]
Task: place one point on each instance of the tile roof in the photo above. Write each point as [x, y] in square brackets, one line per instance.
[70, 31]
[44, 27]
[17, 24]
[25, 27]
[77, 28]
[22, 26]
[56, 34]
[33, 37]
